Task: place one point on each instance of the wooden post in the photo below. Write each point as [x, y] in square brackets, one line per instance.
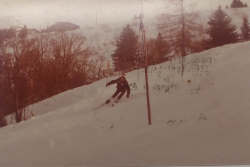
[144, 51]
[183, 45]
[147, 91]
[146, 76]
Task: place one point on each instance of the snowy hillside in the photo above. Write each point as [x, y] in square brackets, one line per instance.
[203, 122]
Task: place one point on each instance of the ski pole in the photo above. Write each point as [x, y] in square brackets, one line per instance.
[102, 90]
[101, 93]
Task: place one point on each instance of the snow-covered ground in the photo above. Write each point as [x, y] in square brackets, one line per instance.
[204, 122]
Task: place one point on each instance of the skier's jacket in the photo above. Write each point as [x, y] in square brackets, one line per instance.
[121, 85]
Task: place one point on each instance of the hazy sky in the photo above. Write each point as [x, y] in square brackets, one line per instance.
[40, 13]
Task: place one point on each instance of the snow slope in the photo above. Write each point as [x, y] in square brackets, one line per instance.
[204, 122]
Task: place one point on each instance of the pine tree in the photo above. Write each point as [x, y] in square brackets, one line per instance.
[233, 4]
[240, 4]
[245, 5]
[237, 4]
[157, 49]
[226, 6]
[125, 55]
[161, 47]
[221, 30]
[245, 28]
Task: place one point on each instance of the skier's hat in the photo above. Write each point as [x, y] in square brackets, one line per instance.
[123, 75]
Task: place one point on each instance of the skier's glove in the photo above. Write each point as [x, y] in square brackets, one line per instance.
[127, 96]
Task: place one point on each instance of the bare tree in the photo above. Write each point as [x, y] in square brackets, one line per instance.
[42, 65]
[3, 87]
[16, 50]
[180, 28]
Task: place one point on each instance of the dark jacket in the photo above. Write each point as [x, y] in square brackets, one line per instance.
[121, 85]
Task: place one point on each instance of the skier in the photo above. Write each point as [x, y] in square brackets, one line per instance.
[122, 87]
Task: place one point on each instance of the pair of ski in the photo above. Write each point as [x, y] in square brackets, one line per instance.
[113, 104]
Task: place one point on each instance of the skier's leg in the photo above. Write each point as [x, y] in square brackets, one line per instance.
[113, 96]
[122, 93]
[116, 93]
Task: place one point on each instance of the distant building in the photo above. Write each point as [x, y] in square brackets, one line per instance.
[62, 26]
[33, 31]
